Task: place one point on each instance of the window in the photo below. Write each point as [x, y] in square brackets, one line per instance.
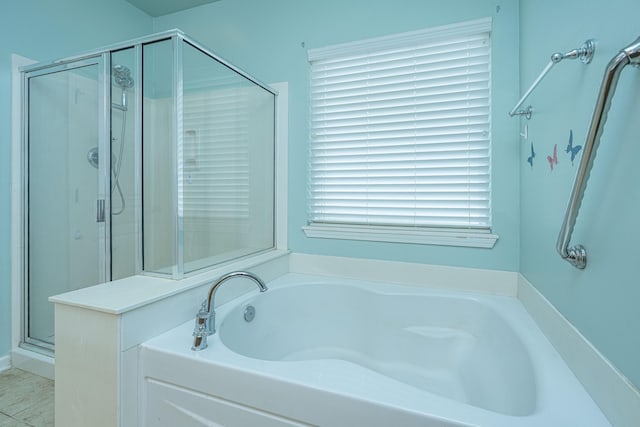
[400, 138]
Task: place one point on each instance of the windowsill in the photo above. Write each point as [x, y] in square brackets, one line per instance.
[440, 237]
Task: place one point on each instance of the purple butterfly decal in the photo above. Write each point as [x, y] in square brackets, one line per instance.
[553, 160]
[573, 150]
[532, 156]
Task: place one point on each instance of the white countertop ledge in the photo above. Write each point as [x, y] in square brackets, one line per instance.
[120, 296]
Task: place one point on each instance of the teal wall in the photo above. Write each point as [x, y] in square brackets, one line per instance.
[44, 30]
[602, 301]
[269, 39]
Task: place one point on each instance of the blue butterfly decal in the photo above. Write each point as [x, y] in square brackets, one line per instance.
[573, 150]
[532, 156]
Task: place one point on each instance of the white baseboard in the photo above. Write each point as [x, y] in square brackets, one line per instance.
[33, 362]
[618, 399]
[5, 363]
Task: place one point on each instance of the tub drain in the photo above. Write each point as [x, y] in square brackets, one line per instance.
[249, 313]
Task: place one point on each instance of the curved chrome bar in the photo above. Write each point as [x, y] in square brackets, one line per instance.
[221, 280]
[577, 255]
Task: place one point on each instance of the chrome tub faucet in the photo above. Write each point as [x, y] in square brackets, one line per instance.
[206, 317]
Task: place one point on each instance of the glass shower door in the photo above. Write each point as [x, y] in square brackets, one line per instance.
[66, 198]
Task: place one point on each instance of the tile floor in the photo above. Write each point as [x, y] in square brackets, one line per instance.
[26, 400]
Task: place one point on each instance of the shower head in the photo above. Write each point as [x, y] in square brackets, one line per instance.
[122, 76]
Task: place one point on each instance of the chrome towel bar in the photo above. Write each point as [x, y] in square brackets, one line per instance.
[583, 53]
[577, 255]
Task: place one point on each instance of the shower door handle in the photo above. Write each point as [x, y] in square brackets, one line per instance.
[100, 210]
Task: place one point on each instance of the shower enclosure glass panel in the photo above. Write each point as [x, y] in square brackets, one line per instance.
[159, 160]
[227, 174]
[66, 247]
[125, 170]
[208, 163]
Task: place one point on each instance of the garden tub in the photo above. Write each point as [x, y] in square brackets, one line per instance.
[337, 352]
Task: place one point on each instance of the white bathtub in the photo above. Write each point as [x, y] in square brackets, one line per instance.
[334, 352]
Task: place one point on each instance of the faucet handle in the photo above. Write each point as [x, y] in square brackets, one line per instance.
[210, 316]
[204, 320]
[200, 337]
[201, 329]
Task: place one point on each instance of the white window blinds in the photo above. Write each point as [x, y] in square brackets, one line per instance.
[400, 130]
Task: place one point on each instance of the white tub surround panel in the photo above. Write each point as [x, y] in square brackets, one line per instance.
[406, 273]
[618, 399]
[87, 365]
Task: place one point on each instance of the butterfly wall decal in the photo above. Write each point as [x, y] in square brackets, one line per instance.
[573, 149]
[553, 160]
[532, 156]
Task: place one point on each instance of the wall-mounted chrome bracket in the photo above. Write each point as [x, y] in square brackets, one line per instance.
[526, 112]
[577, 256]
[588, 49]
[584, 53]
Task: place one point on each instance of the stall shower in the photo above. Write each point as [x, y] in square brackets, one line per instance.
[154, 156]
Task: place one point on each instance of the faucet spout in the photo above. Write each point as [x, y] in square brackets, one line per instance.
[228, 276]
[206, 318]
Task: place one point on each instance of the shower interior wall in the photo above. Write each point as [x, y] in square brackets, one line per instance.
[124, 231]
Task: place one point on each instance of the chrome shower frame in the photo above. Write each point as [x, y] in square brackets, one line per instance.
[102, 60]
[123, 80]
